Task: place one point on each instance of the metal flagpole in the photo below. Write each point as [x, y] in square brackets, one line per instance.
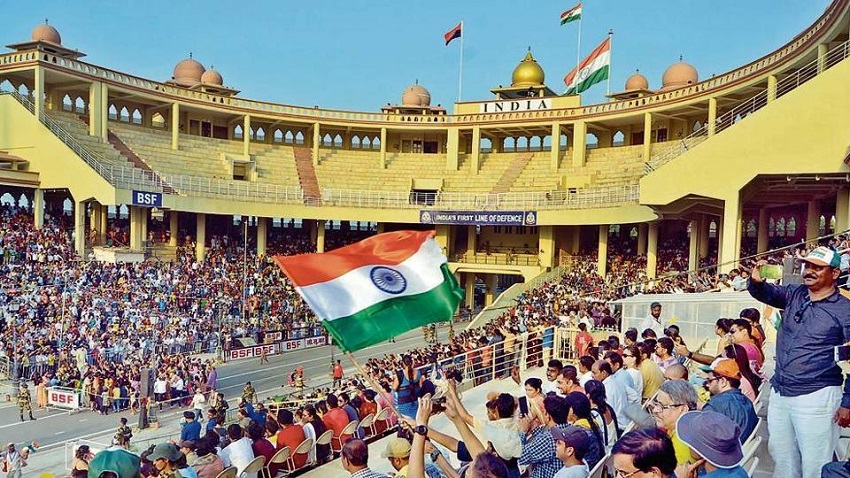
[610, 51]
[578, 51]
[460, 68]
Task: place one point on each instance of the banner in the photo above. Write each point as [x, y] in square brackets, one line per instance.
[276, 348]
[250, 352]
[479, 218]
[274, 336]
[63, 398]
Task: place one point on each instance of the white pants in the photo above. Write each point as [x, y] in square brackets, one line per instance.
[803, 435]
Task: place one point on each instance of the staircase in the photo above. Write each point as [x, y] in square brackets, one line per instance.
[307, 176]
[136, 161]
[512, 172]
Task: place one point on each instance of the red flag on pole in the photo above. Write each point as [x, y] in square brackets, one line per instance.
[453, 33]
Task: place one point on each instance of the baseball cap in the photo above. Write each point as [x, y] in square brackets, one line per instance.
[190, 444]
[165, 450]
[823, 256]
[727, 368]
[654, 305]
[397, 448]
[574, 437]
[713, 435]
[121, 463]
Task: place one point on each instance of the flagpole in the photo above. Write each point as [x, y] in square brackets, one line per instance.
[460, 67]
[578, 48]
[610, 62]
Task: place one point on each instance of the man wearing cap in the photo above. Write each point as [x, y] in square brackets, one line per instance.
[187, 448]
[571, 444]
[165, 458]
[653, 320]
[715, 445]
[398, 452]
[25, 401]
[806, 404]
[723, 384]
[115, 460]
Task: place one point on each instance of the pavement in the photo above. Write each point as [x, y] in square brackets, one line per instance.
[58, 430]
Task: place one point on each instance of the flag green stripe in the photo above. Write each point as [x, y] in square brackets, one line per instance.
[570, 18]
[596, 77]
[392, 317]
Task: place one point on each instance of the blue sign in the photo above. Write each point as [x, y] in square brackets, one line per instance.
[146, 199]
[479, 218]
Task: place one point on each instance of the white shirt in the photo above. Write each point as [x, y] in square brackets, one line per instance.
[309, 432]
[551, 387]
[584, 378]
[238, 454]
[650, 323]
[618, 399]
[637, 379]
[628, 383]
[159, 386]
[198, 401]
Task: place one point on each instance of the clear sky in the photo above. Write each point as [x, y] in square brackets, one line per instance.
[359, 55]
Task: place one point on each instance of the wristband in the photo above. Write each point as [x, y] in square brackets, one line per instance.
[690, 354]
[436, 455]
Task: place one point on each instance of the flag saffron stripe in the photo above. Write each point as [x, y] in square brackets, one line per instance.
[383, 249]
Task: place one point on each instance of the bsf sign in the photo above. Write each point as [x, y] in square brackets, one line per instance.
[146, 199]
[63, 398]
[290, 345]
[248, 352]
[314, 341]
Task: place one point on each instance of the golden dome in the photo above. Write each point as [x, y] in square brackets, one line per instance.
[416, 95]
[528, 72]
[188, 72]
[212, 77]
[45, 32]
[637, 82]
[679, 74]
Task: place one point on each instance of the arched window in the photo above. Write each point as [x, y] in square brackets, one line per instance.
[486, 145]
[355, 142]
[771, 228]
[509, 144]
[633, 233]
[113, 112]
[157, 120]
[712, 230]
[237, 132]
[591, 140]
[137, 117]
[80, 105]
[791, 227]
[125, 115]
[7, 198]
[23, 90]
[619, 139]
[289, 137]
[338, 141]
[278, 136]
[821, 226]
[261, 134]
[376, 142]
[6, 85]
[752, 231]
[522, 143]
[299, 137]
[367, 143]
[67, 104]
[327, 140]
[780, 227]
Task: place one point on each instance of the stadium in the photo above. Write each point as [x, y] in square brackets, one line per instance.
[658, 190]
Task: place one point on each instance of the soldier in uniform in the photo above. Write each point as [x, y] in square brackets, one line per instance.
[249, 395]
[123, 434]
[25, 401]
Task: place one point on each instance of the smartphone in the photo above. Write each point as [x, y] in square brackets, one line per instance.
[523, 405]
[770, 271]
[842, 353]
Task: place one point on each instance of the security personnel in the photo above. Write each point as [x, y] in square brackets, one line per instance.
[25, 401]
[249, 395]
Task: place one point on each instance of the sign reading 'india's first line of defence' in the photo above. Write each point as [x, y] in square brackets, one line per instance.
[479, 218]
[531, 104]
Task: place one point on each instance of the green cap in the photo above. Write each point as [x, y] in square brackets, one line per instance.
[121, 462]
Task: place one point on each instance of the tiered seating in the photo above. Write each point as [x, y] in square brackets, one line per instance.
[538, 175]
[357, 170]
[275, 164]
[616, 166]
[77, 128]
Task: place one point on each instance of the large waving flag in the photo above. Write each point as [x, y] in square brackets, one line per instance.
[592, 69]
[571, 15]
[455, 32]
[378, 288]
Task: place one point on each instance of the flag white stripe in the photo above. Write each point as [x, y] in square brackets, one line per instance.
[354, 291]
[598, 63]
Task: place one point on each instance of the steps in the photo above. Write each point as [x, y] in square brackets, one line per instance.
[511, 173]
[136, 161]
[307, 176]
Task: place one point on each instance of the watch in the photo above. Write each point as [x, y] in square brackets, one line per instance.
[421, 430]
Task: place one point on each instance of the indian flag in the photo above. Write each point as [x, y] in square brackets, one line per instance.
[571, 15]
[378, 288]
[592, 69]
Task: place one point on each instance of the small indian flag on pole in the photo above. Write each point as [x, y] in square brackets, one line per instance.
[592, 70]
[571, 15]
[378, 288]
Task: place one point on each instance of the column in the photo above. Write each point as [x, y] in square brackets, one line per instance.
[575, 239]
[823, 48]
[492, 285]
[602, 251]
[712, 116]
[579, 143]
[38, 92]
[246, 136]
[38, 208]
[175, 125]
[546, 246]
[383, 148]
[452, 149]
[812, 220]
[704, 232]
[771, 88]
[104, 225]
[136, 235]
[652, 250]
[761, 241]
[641, 242]
[380, 227]
[144, 217]
[555, 151]
[476, 148]
[320, 236]
[469, 286]
[731, 237]
[842, 210]
[96, 108]
[80, 228]
[200, 237]
[647, 137]
[693, 249]
[443, 238]
[317, 140]
[262, 235]
[471, 239]
[104, 112]
[94, 223]
[173, 223]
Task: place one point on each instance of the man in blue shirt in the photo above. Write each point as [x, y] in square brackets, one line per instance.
[723, 382]
[192, 429]
[806, 404]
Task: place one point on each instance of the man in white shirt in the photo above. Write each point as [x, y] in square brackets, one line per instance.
[159, 389]
[654, 321]
[553, 371]
[615, 392]
[198, 403]
[239, 452]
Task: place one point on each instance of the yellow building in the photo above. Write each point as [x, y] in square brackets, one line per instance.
[513, 185]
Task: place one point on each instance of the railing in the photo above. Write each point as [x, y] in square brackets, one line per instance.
[499, 259]
[750, 106]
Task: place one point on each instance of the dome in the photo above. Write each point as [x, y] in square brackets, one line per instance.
[637, 82]
[528, 72]
[212, 77]
[188, 71]
[416, 95]
[45, 32]
[679, 74]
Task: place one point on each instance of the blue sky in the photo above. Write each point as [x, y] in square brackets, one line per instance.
[359, 55]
